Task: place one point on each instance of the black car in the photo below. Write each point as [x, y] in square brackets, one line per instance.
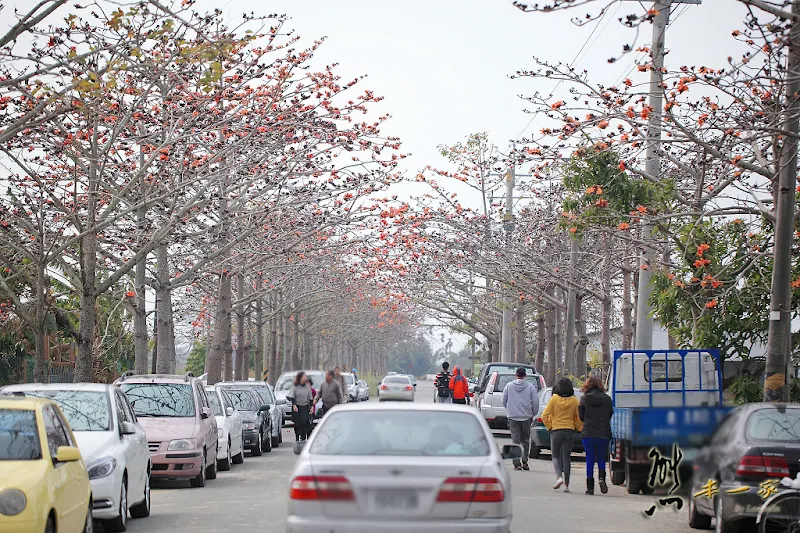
[256, 422]
[742, 464]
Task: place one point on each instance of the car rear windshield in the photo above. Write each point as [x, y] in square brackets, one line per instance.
[349, 379]
[19, 436]
[170, 400]
[771, 424]
[505, 379]
[396, 379]
[243, 400]
[213, 399]
[401, 433]
[84, 410]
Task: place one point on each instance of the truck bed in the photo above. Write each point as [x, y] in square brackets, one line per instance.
[665, 426]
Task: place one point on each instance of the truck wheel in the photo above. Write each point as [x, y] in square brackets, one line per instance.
[617, 477]
[634, 485]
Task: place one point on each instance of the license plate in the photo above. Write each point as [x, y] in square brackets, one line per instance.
[396, 500]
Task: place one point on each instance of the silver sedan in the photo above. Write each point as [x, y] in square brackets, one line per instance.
[396, 388]
[432, 468]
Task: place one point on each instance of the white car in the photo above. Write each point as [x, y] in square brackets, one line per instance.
[433, 468]
[112, 443]
[352, 387]
[396, 387]
[230, 444]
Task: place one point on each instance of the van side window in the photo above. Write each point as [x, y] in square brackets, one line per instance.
[664, 371]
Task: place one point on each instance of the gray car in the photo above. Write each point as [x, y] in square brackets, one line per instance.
[435, 466]
[284, 384]
[264, 391]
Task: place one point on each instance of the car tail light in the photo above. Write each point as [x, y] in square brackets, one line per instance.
[539, 420]
[331, 488]
[758, 466]
[384, 387]
[541, 382]
[471, 489]
[409, 387]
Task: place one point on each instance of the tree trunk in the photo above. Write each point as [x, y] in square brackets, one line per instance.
[582, 340]
[215, 363]
[88, 314]
[605, 331]
[635, 305]
[627, 310]
[42, 360]
[166, 332]
[240, 352]
[558, 327]
[273, 367]
[248, 350]
[295, 339]
[540, 343]
[258, 364]
[520, 351]
[552, 356]
[285, 339]
[570, 360]
[140, 333]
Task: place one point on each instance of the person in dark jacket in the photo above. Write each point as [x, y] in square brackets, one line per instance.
[595, 412]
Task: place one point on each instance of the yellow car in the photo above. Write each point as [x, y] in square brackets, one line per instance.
[44, 487]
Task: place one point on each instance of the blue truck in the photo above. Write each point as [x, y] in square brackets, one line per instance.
[666, 404]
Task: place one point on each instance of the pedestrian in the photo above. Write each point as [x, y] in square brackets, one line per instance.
[459, 386]
[355, 375]
[330, 392]
[442, 384]
[301, 399]
[595, 412]
[521, 400]
[561, 419]
[337, 374]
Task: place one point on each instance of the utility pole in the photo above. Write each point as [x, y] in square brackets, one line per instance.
[779, 342]
[506, 346]
[644, 320]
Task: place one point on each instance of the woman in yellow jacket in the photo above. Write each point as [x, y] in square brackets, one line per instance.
[561, 419]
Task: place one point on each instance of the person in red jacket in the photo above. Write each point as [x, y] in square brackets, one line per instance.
[460, 386]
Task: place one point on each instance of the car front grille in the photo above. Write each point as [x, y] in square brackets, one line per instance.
[153, 446]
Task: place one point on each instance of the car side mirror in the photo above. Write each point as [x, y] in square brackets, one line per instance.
[299, 445]
[205, 413]
[128, 428]
[280, 401]
[229, 411]
[67, 454]
[512, 451]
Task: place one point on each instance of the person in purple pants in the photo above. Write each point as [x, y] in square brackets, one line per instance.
[595, 412]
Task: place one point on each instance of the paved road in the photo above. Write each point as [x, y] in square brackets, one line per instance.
[252, 497]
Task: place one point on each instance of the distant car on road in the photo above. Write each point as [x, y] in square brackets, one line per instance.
[413, 380]
[434, 467]
[229, 429]
[181, 429]
[363, 390]
[540, 437]
[113, 445]
[352, 387]
[755, 445]
[490, 401]
[396, 388]
[284, 384]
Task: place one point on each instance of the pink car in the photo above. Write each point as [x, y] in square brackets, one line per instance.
[180, 426]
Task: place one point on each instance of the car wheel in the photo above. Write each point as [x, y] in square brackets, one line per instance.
[276, 441]
[200, 479]
[256, 450]
[120, 523]
[697, 520]
[722, 525]
[142, 510]
[50, 526]
[88, 524]
[280, 436]
[211, 470]
[239, 457]
[535, 451]
[617, 477]
[268, 442]
[223, 465]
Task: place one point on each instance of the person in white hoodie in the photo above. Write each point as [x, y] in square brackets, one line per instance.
[521, 400]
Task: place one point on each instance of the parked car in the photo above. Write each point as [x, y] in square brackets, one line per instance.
[265, 392]
[490, 401]
[43, 479]
[352, 387]
[413, 380]
[229, 429]
[396, 388]
[181, 429]
[113, 445]
[540, 437]
[363, 390]
[284, 384]
[255, 418]
[435, 465]
[505, 368]
[754, 444]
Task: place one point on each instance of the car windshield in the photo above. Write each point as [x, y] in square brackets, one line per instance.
[243, 400]
[286, 380]
[172, 400]
[771, 424]
[505, 379]
[19, 436]
[396, 379]
[213, 399]
[84, 410]
[401, 433]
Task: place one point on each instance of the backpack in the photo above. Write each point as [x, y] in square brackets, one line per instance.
[443, 385]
